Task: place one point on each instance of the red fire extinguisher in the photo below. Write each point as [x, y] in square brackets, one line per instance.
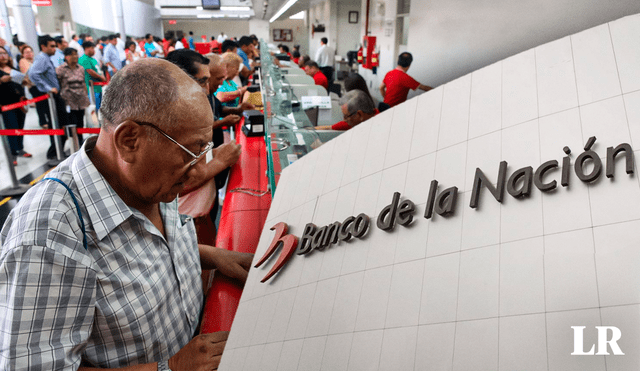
[360, 59]
[375, 61]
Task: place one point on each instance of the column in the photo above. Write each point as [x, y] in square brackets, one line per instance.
[25, 22]
[117, 10]
[4, 17]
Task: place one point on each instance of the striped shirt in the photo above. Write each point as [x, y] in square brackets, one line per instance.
[132, 297]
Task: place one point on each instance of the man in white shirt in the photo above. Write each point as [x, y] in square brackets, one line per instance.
[76, 45]
[325, 57]
[120, 48]
[222, 37]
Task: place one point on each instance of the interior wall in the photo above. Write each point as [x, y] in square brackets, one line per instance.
[299, 32]
[349, 32]
[51, 17]
[139, 18]
[209, 27]
[382, 24]
[259, 27]
[451, 38]
[320, 13]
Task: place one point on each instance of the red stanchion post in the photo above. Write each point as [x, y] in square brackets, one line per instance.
[55, 125]
[16, 189]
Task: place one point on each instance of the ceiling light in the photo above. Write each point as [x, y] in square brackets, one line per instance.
[284, 8]
[199, 8]
[204, 16]
[298, 15]
[235, 8]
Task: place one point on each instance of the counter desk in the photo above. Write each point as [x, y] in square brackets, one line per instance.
[252, 180]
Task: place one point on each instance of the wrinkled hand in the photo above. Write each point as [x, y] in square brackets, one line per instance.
[203, 352]
[228, 153]
[54, 90]
[232, 264]
[5, 78]
[242, 90]
[230, 119]
[247, 106]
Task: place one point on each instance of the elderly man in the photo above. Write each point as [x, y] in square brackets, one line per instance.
[357, 107]
[98, 267]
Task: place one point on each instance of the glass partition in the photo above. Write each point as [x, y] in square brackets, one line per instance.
[289, 133]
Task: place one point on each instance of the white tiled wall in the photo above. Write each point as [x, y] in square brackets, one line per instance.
[492, 288]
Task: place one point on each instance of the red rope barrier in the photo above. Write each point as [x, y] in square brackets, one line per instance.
[19, 132]
[100, 83]
[13, 106]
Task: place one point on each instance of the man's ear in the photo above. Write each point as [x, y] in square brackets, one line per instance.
[128, 138]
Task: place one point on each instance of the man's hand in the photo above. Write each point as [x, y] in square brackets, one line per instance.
[228, 153]
[247, 106]
[5, 78]
[53, 90]
[242, 90]
[232, 264]
[229, 120]
[203, 352]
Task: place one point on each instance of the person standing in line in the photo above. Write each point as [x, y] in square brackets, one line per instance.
[76, 45]
[222, 37]
[192, 46]
[120, 47]
[111, 55]
[91, 71]
[43, 75]
[149, 48]
[325, 57]
[58, 57]
[12, 92]
[72, 88]
[396, 83]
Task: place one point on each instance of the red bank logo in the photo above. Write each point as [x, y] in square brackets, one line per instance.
[289, 243]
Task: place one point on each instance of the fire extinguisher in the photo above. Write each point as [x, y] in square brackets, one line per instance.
[375, 61]
[360, 59]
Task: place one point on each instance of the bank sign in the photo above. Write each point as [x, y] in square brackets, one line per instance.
[587, 167]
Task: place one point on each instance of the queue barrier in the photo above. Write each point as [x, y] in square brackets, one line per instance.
[16, 188]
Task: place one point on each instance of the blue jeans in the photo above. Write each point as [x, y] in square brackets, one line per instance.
[98, 97]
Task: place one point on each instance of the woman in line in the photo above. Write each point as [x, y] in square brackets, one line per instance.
[27, 58]
[228, 93]
[72, 88]
[132, 54]
[12, 92]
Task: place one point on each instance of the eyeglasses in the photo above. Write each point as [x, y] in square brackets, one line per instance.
[206, 149]
[349, 115]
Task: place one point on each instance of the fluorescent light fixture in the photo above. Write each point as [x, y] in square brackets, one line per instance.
[244, 16]
[298, 15]
[218, 16]
[234, 8]
[284, 8]
[204, 16]
[199, 8]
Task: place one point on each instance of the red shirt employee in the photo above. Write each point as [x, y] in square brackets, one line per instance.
[396, 83]
[312, 69]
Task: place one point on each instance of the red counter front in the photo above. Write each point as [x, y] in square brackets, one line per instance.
[241, 221]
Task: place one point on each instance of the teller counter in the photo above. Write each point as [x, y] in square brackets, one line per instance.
[288, 136]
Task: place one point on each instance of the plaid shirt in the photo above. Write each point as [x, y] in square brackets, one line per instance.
[133, 297]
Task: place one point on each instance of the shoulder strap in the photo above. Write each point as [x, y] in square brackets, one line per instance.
[75, 201]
